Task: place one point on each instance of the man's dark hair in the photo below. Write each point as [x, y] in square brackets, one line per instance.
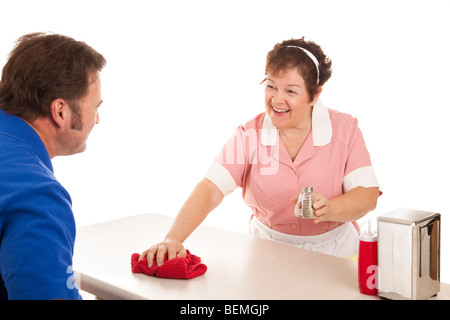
[44, 67]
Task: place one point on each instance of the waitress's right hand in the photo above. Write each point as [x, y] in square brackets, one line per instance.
[172, 248]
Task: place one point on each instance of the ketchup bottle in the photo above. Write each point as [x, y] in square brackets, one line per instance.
[368, 261]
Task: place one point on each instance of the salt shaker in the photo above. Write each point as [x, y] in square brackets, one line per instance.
[307, 199]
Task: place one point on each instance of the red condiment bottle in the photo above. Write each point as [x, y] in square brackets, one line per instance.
[368, 261]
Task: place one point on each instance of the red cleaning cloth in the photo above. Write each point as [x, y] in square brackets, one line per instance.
[176, 268]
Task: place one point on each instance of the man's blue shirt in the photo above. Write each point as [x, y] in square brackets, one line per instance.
[37, 227]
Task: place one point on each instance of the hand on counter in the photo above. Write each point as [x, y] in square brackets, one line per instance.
[205, 197]
[172, 248]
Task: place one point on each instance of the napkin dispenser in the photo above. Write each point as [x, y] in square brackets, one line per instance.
[409, 254]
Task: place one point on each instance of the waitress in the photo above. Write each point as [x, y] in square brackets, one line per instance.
[297, 142]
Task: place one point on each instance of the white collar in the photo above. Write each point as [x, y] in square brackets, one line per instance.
[321, 127]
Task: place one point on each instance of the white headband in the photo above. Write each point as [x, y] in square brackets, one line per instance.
[311, 56]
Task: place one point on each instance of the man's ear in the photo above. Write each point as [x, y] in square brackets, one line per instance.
[59, 112]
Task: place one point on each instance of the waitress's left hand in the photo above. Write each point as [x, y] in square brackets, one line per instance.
[322, 208]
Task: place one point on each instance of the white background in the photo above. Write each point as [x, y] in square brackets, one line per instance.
[181, 75]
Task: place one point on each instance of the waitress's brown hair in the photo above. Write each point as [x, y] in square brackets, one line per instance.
[283, 56]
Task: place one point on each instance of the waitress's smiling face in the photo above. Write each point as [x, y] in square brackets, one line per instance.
[287, 101]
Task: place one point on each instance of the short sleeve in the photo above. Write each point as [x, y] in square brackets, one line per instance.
[359, 171]
[228, 169]
[37, 246]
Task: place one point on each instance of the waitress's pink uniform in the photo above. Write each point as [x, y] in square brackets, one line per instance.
[333, 160]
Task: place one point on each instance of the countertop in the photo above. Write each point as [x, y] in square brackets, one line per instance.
[239, 267]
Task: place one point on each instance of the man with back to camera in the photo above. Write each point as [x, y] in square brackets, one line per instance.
[50, 93]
